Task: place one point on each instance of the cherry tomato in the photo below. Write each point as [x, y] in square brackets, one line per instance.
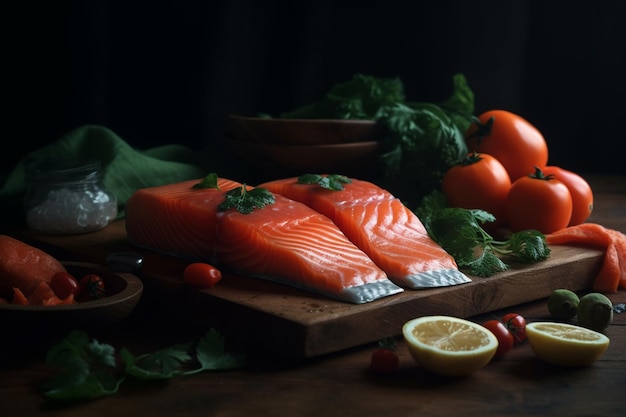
[91, 287]
[201, 275]
[580, 190]
[64, 284]
[516, 325]
[538, 202]
[384, 360]
[478, 182]
[504, 336]
[509, 138]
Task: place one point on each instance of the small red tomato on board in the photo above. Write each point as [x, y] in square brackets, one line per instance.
[504, 336]
[538, 202]
[64, 284]
[509, 138]
[91, 287]
[201, 275]
[516, 324]
[385, 359]
[479, 181]
[580, 190]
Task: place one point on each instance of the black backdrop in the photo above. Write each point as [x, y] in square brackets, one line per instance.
[170, 71]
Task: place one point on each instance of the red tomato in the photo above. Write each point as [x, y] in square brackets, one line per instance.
[580, 190]
[511, 139]
[516, 325]
[504, 336]
[91, 287]
[201, 275]
[478, 182]
[539, 203]
[384, 360]
[64, 284]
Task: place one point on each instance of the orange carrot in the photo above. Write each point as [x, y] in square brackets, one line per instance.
[44, 296]
[24, 266]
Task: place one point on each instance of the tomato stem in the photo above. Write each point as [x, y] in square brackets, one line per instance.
[483, 129]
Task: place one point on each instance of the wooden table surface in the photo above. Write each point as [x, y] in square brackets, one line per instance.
[337, 384]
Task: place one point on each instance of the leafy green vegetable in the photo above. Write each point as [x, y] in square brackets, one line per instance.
[89, 369]
[361, 97]
[210, 181]
[422, 141]
[245, 201]
[332, 182]
[459, 231]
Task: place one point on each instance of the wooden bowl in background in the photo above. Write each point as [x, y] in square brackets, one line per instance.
[294, 132]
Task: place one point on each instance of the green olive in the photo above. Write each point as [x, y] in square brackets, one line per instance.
[563, 304]
[595, 311]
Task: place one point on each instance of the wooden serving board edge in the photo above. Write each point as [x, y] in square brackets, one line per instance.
[300, 324]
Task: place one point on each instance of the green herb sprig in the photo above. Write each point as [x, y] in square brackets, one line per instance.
[210, 181]
[459, 231]
[89, 369]
[245, 201]
[331, 182]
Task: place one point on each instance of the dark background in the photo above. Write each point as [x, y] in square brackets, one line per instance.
[170, 71]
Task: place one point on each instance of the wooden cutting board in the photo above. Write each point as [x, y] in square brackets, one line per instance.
[300, 324]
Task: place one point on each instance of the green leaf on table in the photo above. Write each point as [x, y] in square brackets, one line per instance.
[87, 369]
[162, 364]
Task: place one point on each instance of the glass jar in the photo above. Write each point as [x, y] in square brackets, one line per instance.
[64, 197]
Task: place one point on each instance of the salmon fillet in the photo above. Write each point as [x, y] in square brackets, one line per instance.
[285, 242]
[383, 227]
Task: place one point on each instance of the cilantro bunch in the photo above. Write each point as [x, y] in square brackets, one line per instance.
[88, 369]
[459, 231]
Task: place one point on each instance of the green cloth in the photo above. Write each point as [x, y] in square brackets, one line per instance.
[125, 169]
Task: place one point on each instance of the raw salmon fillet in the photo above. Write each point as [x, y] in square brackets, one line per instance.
[285, 242]
[383, 227]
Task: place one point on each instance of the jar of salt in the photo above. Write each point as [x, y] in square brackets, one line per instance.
[64, 197]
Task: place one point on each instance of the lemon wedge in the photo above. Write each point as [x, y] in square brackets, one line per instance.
[449, 346]
[566, 344]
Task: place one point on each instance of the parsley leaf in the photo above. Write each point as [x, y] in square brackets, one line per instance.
[331, 182]
[89, 369]
[210, 181]
[459, 231]
[245, 201]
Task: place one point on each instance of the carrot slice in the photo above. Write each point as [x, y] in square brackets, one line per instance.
[45, 296]
[18, 297]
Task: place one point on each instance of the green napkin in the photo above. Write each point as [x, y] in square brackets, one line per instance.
[125, 169]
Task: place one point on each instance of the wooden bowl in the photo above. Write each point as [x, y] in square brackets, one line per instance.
[123, 292]
[300, 131]
[351, 159]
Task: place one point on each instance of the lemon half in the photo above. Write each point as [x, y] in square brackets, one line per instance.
[566, 344]
[449, 346]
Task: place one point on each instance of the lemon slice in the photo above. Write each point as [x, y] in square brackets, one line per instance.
[449, 346]
[566, 344]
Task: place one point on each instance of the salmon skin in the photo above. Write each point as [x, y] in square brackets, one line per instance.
[383, 227]
[285, 242]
